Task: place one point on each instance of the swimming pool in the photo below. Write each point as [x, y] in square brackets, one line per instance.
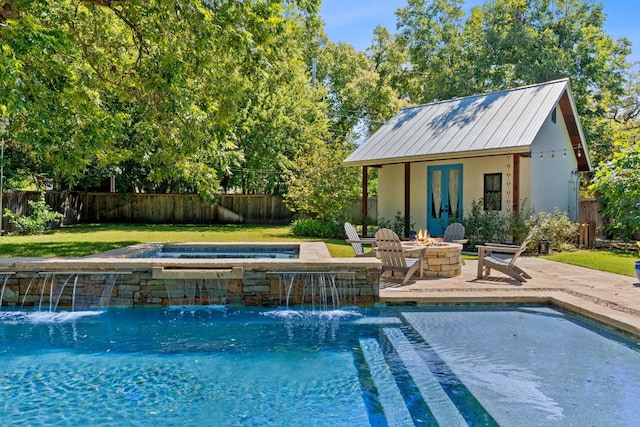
[352, 367]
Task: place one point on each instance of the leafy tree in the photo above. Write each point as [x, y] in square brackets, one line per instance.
[431, 34]
[624, 116]
[389, 60]
[280, 117]
[616, 181]
[147, 90]
[320, 186]
[508, 43]
[618, 184]
[538, 40]
[358, 100]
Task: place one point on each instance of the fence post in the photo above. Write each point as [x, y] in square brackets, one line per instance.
[587, 235]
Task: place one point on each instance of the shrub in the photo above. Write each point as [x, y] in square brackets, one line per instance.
[518, 223]
[396, 224]
[491, 226]
[557, 228]
[39, 220]
[484, 226]
[318, 227]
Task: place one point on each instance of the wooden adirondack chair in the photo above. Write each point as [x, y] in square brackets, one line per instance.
[455, 234]
[393, 255]
[487, 259]
[454, 231]
[356, 241]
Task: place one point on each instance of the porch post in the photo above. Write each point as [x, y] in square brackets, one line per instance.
[407, 198]
[365, 199]
[516, 184]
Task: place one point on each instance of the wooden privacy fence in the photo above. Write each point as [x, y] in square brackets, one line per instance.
[69, 203]
[590, 222]
[184, 209]
[589, 213]
[354, 213]
[81, 207]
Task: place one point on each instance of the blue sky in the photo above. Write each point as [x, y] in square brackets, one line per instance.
[353, 21]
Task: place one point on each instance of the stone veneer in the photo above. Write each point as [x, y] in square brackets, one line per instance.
[146, 282]
[441, 260]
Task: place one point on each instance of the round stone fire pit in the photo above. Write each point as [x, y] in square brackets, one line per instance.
[441, 259]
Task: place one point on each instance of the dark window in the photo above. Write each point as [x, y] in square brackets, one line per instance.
[553, 115]
[493, 191]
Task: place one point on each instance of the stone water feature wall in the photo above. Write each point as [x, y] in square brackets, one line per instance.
[150, 282]
[258, 287]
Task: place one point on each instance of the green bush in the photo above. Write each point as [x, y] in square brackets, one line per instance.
[318, 227]
[39, 220]
[617, 182]
[518, 223]
[556, 227]
[484, 226]
[396, 224]
[491, 226]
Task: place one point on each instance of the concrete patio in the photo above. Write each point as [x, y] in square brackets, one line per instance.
[610, 298]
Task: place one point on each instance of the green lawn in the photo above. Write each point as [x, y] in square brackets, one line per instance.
[81, 240]
[609, 260]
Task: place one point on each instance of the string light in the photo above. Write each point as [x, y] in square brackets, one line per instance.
[551, 154]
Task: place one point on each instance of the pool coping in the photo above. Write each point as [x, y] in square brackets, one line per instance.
[609, 298]
[312, 255]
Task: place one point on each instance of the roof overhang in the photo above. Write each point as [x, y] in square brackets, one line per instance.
[522, 150]
[572, 122]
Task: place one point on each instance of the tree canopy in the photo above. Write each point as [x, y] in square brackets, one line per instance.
[251, 96]
[510, 43]
[440, 52]
[158, 93]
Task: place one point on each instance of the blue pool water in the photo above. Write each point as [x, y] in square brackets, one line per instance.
[216, 252]
[355, 367]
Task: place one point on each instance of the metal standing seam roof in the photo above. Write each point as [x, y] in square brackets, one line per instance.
[498, 121]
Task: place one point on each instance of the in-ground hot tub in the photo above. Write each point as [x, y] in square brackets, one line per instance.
[209, 251]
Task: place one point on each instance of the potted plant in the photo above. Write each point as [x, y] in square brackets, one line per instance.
[638, 264]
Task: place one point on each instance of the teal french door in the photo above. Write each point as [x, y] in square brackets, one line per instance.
[444, 197]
